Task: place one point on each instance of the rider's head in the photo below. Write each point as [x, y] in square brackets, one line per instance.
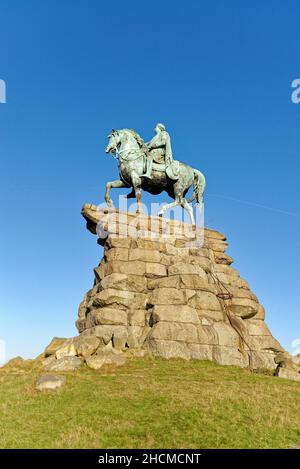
[159, 127]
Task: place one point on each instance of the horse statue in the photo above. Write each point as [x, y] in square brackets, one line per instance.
[131, 152]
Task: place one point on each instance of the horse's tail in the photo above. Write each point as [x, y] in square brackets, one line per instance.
[199, 186]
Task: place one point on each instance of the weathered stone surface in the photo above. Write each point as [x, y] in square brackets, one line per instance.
[182, 332]
[260, 312]
[81, 325]
[166, 260]
[209, 233]
[296, 359]
[119, 299]
[189, 294]
[146, 255]
[183, 268]
[167, 296]
[114, 281]
[86, 346]
[230, 356]
[55, 344]
[154, 270]
[138, 317]
[195, 282]
[222, 258]
[95, 362]
[48, 360]
[175, 313]
[285, 360]
[227, 270]
[217, 245]
[170, 250]
[205, 300]
[117, 254]
[82, 310]
[211, 315]
[224, 279]
[200, 252]
[164, 282]
[202, 262]
[134, 283]
[131, 267]
[137, 335]
[263, 360]
[111, 296]
[118, 242]
[257, 327]
[66, 350]
[207, 335]
[113, 358]
[168, 349]
[148, 244]
[205, 321]
[244, 307]
[105, 358]
[100, 271]
[158, 289]
[103, 332]
[64, 364]
[288, 374]
[227, 335]
[119, 339]
[265, 342]
[49, 382]
[108, 316]
[242, 293]
[201, 351]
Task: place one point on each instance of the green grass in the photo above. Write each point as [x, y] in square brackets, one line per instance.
[151, 403]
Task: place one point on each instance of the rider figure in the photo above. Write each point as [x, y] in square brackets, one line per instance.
[159, 150]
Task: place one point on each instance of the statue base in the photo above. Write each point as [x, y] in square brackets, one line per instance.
[167, 288]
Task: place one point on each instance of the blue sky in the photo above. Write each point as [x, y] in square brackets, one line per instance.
[218, 74]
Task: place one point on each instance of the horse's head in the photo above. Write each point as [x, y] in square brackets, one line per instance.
[113, 141]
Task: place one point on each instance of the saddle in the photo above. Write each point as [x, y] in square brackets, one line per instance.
[172, 169]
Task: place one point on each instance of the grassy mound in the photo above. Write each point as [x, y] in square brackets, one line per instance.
[150, 403]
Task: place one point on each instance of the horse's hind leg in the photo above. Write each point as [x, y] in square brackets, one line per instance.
[115, 185]
[167, 206]
[131, 195]
[178, 190]
[185, 205]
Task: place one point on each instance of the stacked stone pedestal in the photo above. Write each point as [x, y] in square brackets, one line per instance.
[168, 288]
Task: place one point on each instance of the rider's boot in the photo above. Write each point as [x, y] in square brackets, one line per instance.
[149, 169]
[146, 175]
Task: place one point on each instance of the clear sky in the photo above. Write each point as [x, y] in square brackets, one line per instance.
[217, 73]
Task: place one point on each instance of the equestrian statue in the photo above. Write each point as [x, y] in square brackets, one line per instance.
[150, 167]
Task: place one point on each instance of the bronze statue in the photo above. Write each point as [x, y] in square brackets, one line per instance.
[151, 167]
[160, 152]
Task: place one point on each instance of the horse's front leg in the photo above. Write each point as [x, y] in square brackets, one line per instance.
[137, 182]
[115, 185]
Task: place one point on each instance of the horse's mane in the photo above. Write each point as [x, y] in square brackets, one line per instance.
[137, 137]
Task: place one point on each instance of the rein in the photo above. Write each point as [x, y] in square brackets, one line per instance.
[119, 156]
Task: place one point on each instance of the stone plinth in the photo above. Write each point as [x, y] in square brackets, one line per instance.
[168, 288]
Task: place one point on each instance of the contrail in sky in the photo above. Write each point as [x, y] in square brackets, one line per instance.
[266, 207]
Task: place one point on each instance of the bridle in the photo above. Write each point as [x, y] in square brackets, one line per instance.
[118, 153]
